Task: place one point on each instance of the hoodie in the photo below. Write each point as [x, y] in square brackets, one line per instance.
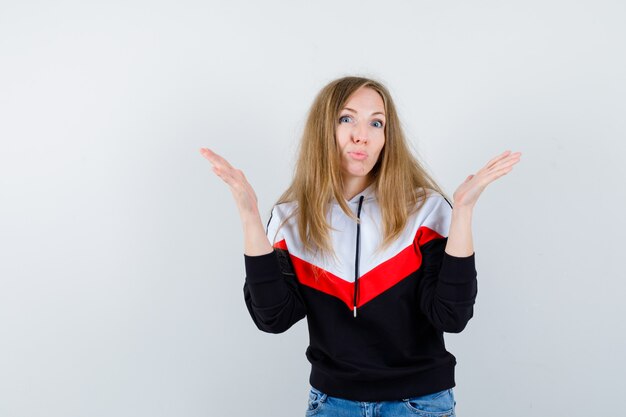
[375, 319]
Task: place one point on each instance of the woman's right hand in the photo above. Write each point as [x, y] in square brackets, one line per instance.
[242, 191]
[255, 241]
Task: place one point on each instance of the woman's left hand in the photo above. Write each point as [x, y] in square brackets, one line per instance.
[467, 194]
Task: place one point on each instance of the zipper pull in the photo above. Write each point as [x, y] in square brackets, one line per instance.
[354, 311]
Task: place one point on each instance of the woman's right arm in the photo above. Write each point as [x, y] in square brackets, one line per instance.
[271, 293]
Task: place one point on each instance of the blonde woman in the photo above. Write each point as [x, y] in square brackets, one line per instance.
[368, 248]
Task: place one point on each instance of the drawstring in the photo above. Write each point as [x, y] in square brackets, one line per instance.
[356, 257]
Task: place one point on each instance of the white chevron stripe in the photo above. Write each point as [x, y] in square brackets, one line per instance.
[435, 214]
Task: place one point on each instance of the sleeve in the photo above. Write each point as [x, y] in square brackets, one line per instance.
[448, 287]
[271, 289]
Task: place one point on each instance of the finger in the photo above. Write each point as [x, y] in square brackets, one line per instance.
[225, 175]
[492, 176]
[496, 159]
[512, 156]
[507, 161]
[206, 152]
[219, 172]
[505, 156]
[233, 177]
[214, 158]
[210, 155]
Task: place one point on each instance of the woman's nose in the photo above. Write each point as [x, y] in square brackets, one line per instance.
[359, 134]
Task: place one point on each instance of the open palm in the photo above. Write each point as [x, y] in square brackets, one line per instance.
[242, 191]
[468, 192]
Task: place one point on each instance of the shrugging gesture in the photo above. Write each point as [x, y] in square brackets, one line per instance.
[375, 318]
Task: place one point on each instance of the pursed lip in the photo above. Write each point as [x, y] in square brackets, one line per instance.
[358, 153]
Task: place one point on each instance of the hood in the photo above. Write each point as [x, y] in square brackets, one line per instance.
[368, 193]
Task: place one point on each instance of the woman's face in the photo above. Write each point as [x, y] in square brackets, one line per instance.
[360, 132]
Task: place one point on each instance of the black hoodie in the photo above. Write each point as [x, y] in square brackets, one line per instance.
[375, 319]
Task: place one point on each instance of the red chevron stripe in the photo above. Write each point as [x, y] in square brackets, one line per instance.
[372, 284]
[394, 270]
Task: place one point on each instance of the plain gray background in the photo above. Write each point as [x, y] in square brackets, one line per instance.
[121, 253]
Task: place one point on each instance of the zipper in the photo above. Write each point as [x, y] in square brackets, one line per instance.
[356, 256]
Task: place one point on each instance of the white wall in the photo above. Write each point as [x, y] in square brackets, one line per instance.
[121, 254]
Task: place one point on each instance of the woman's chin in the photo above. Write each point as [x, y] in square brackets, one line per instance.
[357, 171]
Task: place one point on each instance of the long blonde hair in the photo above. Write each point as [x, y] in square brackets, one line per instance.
[400, 180]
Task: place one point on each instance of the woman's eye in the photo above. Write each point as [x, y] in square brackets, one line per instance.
[377, 123]
[345, 119]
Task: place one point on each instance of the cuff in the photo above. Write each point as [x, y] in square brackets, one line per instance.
[455, 269]
[262, 268]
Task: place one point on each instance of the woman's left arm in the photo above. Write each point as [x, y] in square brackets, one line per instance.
[460, 234]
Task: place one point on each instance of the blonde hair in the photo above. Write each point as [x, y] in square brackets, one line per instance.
[400, 180]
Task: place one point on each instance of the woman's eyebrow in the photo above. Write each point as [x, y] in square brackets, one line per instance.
[354, 111]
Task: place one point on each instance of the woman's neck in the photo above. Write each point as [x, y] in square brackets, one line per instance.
[354, 186]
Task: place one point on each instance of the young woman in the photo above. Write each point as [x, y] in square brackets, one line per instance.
[367, 247]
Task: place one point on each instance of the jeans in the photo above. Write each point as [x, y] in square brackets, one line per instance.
[439, 404]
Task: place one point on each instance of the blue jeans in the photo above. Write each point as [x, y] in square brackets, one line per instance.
[439, 404]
